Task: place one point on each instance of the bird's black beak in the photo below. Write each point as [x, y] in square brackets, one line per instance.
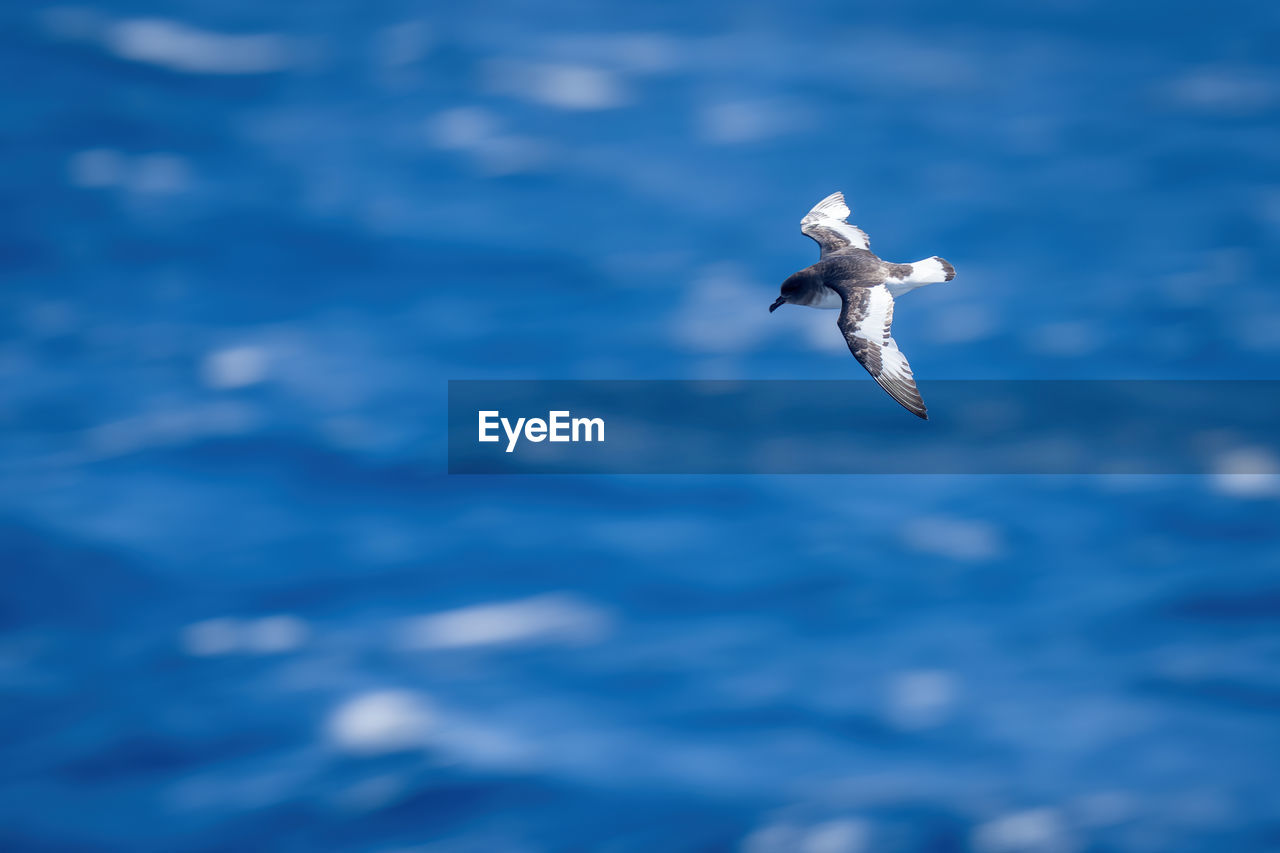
[774, 306]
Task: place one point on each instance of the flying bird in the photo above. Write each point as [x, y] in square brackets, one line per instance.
[848, 276]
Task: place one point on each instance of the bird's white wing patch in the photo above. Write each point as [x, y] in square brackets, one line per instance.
[866, 323]
[826, 225]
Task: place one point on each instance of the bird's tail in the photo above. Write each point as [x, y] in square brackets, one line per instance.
[931, 271]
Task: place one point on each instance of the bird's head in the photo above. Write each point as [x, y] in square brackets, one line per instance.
[793, 290]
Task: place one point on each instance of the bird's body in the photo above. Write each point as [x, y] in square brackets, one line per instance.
[850, 277]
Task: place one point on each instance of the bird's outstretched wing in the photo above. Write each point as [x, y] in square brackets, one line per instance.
[826, 225]
[865, 320]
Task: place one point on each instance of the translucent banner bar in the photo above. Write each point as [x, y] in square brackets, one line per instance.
[812, 427]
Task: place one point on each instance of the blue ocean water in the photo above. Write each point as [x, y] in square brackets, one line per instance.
[244, 607]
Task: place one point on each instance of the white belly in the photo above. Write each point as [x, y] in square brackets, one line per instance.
[828, 299]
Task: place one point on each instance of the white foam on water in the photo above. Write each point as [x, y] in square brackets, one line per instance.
[562, 86]
[211, 638]
[382, 721]
[477, 132]
[843, 835]
[1031, 831]
[461, 128]
[775, 838]
[958, 539]
[167, 427]
[274, 634]
[234, 367]
[840, 835]
[1246, 472]
[150, 174]
[225, 635]
[542, 619]
[745, 121]
[180, 47]
[920, 699]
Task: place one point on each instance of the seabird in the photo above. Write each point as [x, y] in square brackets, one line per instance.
[850, 277]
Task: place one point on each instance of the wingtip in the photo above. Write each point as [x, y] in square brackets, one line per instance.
[833, 202]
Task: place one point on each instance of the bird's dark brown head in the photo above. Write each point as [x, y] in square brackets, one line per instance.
[792, 289]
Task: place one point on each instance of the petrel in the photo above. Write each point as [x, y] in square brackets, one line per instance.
[850, 277]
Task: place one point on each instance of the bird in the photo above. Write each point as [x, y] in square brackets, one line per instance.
[850, 277]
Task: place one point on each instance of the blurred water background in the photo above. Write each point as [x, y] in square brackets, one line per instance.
[244, 608]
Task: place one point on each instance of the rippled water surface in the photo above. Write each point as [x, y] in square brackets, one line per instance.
[245, 245]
